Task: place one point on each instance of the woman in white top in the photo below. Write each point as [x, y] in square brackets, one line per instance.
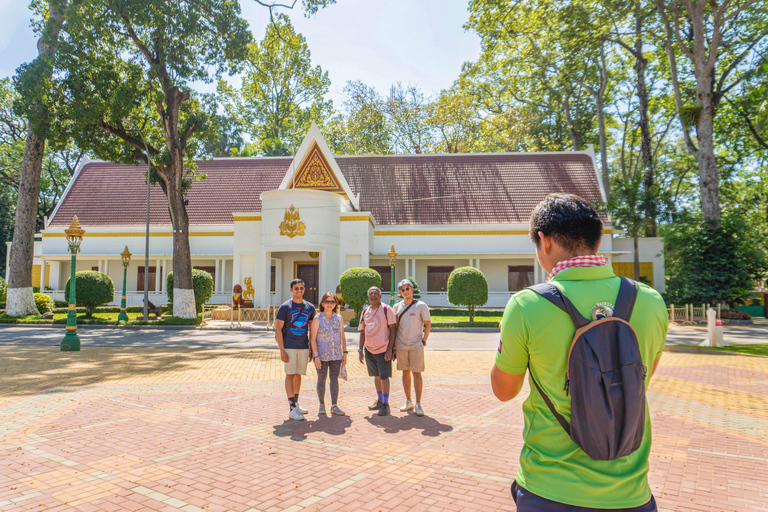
[329, 346]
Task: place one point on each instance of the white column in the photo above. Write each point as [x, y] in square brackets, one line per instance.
[42, 275]
[158, 277]
[106, 267]
[223, 282]
[477, 263]
[217, 282]
[536, 272]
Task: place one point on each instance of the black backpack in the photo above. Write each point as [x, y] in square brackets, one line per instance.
[605, 378]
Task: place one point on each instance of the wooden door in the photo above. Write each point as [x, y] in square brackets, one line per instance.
[308, 272]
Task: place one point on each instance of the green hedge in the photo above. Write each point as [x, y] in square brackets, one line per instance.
[467, 286]
[463, 312]
[107, 309]
[355, 283]
[202, 284]
[93, 289]
[3, 290]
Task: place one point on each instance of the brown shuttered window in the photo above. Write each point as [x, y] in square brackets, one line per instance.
[437, 278]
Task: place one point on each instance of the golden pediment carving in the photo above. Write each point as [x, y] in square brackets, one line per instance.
[292, 225]
[316, 173]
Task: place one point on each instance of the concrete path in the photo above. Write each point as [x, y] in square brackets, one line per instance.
[113, 429]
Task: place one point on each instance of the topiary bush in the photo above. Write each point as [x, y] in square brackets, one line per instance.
[416, 291]
[354, 284]
[202, 284]
[93, 290]
[44, 303]
[3, 289]
[467, 286]
[735, 315]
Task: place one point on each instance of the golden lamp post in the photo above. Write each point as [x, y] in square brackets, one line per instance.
[74, 232]
[392, 256]
[126, 257]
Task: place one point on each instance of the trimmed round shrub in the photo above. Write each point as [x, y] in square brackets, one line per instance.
[93, 290]
[202, 284]
[467, 286]
[3, 289]
[44, 303]
[354, 283]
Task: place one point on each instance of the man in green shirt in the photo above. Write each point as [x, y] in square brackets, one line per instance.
[555, 474]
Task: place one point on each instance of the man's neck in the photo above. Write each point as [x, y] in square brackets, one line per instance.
[408, 301]
[376, 306]
[300, 301]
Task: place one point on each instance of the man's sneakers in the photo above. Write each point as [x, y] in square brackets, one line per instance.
[407, 407]
[296, 415]
[418, 410]
[384, 411]
[375, 405]
[335, 410]
[301, 409]
[321, 410]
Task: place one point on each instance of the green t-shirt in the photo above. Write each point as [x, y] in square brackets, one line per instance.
[535, 332]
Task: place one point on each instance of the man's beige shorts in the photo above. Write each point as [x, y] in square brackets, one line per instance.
[412, 359]
[297, 361]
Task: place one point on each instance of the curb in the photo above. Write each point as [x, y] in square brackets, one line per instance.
[101, 326]
[445, 329]
[704, 350]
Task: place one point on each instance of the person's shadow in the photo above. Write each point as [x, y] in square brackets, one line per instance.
[429, 427]
[300, 430]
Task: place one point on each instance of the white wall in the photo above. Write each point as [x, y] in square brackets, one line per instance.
[650, 249]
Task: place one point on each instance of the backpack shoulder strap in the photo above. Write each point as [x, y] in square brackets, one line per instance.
[625, 302]
[553, 294]
[559, 417]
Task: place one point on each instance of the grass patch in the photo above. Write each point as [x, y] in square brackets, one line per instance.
[463, 321]
[755, 350]
[99, 319]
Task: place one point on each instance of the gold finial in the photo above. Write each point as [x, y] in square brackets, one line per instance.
[126, 256]
[392, 254]
[74, 234]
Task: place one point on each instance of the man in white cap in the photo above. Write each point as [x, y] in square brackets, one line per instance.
[414, 325]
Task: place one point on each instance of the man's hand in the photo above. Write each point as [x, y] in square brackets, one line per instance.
[310, 357]
[360, 353]
[284, 356]
[318, 363]
[344, 360]
[388, 354]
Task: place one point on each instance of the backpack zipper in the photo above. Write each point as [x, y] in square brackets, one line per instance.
[567, 386]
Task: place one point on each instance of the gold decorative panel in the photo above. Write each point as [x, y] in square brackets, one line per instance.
[292, 225]
[315, 173]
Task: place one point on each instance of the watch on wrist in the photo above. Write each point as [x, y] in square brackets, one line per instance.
[345, 351]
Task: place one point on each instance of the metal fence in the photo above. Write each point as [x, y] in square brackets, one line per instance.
[225, 312]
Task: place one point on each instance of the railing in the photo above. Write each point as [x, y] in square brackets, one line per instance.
[689, 313]
[236, 316]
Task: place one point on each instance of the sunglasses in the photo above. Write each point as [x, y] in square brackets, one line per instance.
[298, 289]
[405, 288]
[329, 302]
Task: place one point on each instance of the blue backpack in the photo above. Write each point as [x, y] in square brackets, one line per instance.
[605, 378]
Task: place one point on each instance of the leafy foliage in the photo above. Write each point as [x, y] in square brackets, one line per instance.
[706, 266]
[202, 284]
[44, 303]
[93, 289]
[3, 289]
[467, 286]
[354, 283]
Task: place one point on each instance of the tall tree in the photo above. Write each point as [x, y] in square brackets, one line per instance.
[408, 110]
[709, 46]
[281, 92]
[122, 84]
[32, 81]
[365, 127]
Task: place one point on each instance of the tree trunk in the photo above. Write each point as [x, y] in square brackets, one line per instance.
[709, 178]
[637, 259]
[569, 122]
[183, 290]
[603, 147]
[20, 300]
[646, 158]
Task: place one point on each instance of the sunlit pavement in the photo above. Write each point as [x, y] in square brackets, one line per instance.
[128, 428]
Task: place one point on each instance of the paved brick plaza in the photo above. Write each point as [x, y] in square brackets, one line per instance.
[135, 429]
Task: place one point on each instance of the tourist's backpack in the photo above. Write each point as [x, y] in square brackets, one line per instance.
[605, 378]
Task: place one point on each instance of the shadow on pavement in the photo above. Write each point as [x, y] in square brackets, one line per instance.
[429, 427]
[300, 430]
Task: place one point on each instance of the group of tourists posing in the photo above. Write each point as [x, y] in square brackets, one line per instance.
[386, 333]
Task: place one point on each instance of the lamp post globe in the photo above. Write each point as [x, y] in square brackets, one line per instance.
[74, 233]
[126, 257]
[392, 257]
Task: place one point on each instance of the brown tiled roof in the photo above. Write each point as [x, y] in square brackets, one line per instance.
[398, 189]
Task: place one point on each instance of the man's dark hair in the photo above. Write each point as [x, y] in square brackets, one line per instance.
[572, 222]
[296, 281]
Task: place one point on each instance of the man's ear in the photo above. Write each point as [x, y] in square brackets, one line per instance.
[546, 243]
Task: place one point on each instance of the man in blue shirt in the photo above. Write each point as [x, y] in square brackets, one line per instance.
[292, 335]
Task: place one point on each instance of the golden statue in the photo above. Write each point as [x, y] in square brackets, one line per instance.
[249, 291]
[292, 225]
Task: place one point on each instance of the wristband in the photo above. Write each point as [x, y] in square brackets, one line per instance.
[316, 357]
[345, 351]
[359, 350]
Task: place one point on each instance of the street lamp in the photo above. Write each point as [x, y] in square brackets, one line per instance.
[71, 341]
[126, 257]
[392, 256]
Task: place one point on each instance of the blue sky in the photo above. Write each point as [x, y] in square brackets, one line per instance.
[420, 42]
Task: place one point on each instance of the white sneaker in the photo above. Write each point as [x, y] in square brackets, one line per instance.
[419, 410]
[301, 409]
[295, 415]
[321, 410]
[407, 407]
